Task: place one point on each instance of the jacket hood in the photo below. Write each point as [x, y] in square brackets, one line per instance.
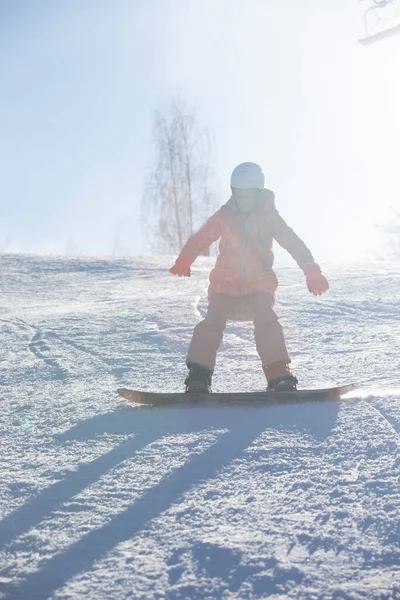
[265, 198]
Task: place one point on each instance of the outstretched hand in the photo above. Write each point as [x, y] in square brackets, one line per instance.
[316, 282]
[181, 267]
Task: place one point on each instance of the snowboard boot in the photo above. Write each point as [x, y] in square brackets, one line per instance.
[286, 383]
[280, 378]
[199, 379]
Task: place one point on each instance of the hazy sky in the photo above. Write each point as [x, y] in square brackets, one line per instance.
[281, 83]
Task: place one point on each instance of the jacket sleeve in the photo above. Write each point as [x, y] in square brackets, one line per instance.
[288, 239]
[202, 239]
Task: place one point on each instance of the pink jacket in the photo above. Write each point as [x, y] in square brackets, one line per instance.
[245, 259]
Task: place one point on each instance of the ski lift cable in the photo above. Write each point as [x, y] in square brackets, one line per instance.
[380, 2]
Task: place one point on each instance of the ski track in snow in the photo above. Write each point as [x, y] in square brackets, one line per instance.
[104, 500]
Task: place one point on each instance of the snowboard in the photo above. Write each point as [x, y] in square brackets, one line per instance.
[255, 398]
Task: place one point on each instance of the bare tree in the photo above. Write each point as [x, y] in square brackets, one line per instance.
[390, 233]
[393, 231]
[178, 197]
[72, 248]
[4, 244]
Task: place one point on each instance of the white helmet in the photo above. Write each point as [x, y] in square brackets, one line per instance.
[248, 175]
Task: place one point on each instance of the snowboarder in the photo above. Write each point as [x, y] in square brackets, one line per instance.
[242, 283]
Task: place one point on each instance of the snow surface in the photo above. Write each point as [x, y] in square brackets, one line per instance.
[104, 500]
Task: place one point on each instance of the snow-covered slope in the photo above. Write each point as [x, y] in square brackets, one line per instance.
[105, 501]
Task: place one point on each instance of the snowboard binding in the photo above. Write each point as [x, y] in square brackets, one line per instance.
[199, 379]
[286, 383]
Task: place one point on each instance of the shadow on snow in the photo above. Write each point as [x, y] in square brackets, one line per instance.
[148, 424]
